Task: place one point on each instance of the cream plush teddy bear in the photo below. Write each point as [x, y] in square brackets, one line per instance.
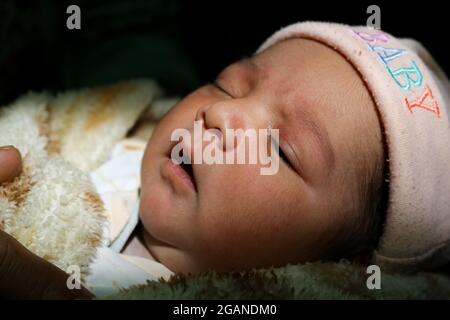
[53, 208]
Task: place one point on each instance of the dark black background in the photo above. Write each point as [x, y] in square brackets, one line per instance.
[181, 43]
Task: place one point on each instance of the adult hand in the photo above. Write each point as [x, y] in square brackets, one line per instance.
[24, 275]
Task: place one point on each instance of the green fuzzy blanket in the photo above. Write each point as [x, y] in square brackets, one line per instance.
[304, 281]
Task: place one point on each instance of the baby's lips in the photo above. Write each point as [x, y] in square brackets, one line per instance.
[177, 176]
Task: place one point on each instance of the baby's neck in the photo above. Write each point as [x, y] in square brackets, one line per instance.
[135, 245]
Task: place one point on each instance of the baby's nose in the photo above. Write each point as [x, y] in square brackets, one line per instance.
[221, 116]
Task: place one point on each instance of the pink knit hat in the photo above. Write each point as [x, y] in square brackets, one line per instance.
[412, 95]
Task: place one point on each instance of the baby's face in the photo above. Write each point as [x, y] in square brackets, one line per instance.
[229, 216]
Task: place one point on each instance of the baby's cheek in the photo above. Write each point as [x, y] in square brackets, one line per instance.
[154, 209]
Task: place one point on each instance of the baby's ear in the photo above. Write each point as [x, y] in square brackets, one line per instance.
[11, 161]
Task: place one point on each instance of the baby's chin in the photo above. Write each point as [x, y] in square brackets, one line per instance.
[176, 259]
[151, 215]
[153, 209]
[159, 213]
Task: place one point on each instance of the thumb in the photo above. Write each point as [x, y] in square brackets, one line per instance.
[10, 163]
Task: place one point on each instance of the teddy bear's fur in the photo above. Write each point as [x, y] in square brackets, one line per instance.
[52, 208]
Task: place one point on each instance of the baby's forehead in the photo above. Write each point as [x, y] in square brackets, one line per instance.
[315, 86]
[309, 72]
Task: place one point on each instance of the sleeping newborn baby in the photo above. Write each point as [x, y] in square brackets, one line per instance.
[363, 143]
[323, 203]
[363, 135]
